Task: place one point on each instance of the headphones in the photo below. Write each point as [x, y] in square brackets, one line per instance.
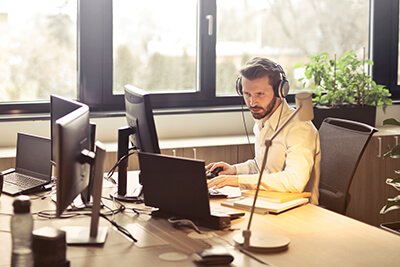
[281, 87]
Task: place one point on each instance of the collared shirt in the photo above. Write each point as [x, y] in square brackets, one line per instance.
[293, 158]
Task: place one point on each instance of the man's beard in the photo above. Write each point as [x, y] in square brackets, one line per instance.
[265, 111]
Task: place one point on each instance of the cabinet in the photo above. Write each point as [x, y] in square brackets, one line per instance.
[229, 149]
[229, 153]
[6, 163]
[368, 190]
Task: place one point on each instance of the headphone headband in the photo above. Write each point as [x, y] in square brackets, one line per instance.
[281, 87]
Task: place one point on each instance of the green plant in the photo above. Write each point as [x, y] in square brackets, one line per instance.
[344, 81]
[394, 152]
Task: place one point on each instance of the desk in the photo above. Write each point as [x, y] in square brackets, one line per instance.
[318, 238]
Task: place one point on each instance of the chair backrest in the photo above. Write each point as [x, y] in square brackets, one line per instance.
[342, 145]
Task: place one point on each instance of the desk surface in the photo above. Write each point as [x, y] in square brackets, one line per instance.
[318, 238]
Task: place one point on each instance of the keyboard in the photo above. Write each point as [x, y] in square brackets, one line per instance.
[22, 180]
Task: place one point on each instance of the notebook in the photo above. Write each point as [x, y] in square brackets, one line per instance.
[33, 166]
[178, 187]
[277, 197]
[264, 206]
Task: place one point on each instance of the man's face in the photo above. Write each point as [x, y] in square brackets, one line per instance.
[259, 96]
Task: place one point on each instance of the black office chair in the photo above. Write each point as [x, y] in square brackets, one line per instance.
[342, 145]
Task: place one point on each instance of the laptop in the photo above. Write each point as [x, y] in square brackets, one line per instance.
[178, 188]
[33, 166]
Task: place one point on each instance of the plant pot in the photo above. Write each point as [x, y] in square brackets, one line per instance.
[364, 114]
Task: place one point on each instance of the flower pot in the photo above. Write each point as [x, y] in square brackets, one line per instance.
[364, 114]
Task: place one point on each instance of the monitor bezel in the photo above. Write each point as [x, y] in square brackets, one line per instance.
[69, 187]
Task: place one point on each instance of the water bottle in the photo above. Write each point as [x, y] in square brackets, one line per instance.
[21, 233]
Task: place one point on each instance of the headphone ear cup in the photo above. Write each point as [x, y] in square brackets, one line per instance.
[239, 88]
[282, 90]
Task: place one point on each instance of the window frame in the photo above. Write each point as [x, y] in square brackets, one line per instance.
[95, 72]
[385, 43]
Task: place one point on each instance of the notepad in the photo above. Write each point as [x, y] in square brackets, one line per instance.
[264, 206]
[277, 197]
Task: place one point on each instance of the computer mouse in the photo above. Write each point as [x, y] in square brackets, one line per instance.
[214, 173]
[213, 256]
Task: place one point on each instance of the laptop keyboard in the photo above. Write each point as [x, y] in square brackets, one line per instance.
[22, 180]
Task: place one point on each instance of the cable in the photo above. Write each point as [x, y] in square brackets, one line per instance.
[120, 228]
[138, 211]
[51, 214]
[280, 115]
[177, 222]
[131, 151]
[248, 137]
[247, 133]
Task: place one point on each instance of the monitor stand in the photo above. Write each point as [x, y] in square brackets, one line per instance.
[85, 194]
[95, 234]
[123, 144]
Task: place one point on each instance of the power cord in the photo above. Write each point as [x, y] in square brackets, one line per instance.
[120, 228]
[178, 222]
[131, 151]
[247, 133]
[248, 137]
[79, 211]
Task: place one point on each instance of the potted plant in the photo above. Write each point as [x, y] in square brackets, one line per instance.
[343, 88]
[394, 152]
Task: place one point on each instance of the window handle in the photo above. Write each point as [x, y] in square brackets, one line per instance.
[379, 147]
[210, 19]
[174, 152]
[194, 153]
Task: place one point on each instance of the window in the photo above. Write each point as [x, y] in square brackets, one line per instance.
[154, 45]
[286, 32]
[398, 57]
[385, 44]
[38, 49]
[186, 52]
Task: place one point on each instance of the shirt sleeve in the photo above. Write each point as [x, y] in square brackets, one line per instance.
[246, 167]
[300, 141]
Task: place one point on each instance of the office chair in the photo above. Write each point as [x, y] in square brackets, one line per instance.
[342, 145]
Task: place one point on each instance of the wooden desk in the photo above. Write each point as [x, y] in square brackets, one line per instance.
[318, 238]
[323, 238]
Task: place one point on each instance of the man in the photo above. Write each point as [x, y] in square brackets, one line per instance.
[294, 156]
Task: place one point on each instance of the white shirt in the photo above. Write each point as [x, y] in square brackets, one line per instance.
[293, 158]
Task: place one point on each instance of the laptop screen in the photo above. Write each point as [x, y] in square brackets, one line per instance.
[177, 186]
[33, 156]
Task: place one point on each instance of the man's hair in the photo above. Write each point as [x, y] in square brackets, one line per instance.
[259, 67]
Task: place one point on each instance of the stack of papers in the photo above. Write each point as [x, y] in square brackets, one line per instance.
[269, 202]
[277, 197]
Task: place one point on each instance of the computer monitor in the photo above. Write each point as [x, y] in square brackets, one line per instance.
[141, 131]
[74, 161]
[59, 107]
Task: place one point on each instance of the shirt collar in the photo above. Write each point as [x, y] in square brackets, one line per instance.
[275, 118]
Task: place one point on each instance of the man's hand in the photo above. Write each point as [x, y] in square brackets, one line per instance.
[226, 168]
[223, 180]
[225, 177]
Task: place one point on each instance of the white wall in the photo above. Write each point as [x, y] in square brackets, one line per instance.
[168, 127]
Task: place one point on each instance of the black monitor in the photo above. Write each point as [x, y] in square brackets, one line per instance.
[59, 107]
[74, 162]
[141, 131]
